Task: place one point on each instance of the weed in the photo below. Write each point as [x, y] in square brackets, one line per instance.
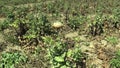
[60, 55]
[115, 62]
[116, 20]
[96, 27]
[28, 26]
[76, 21]
[112, 40]
[14, 2]
[9, 59]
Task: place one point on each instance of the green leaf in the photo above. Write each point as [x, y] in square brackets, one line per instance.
[64, 54]
[59, 59]
[69, 53]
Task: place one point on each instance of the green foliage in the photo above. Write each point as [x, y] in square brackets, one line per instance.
[115, 62]
[4, 11]
[38, 51]
[18, 2]
[51, 8]
[11, 38]
[28, 26]
[112, 40]
[76, 21]
[9, 59]
[4, 25]
[96, 26]
[32, 21]
[61, 56]
[9, 18]
[39, 26]
[114, 18]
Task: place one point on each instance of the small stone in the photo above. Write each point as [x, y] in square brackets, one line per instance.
[57, 24]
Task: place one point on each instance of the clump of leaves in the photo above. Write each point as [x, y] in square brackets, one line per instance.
[115, 18]
[38, 26]
[115, 62]
[96, 26]
[5, 11]
[16, 23]
[4, 25]
[61, 56]
[9, 59]
[76, 21]
[28, 26]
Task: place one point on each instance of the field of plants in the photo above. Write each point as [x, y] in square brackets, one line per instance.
[60, 34]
